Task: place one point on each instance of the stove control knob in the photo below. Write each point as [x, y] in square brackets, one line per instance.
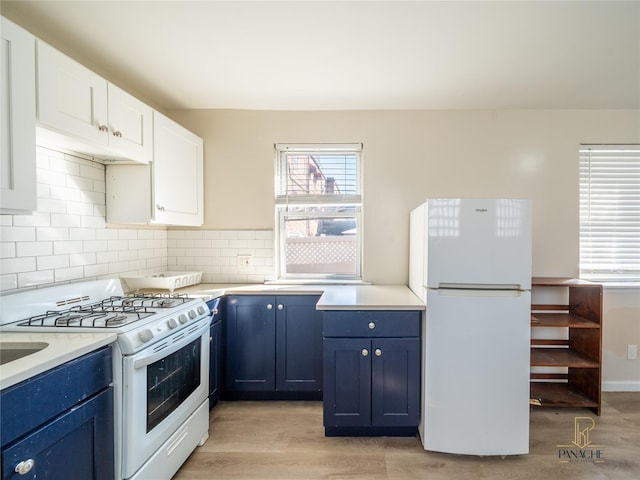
[192, 314]
[145, 335]
[172, 323]
[201, 310]
[183, 318]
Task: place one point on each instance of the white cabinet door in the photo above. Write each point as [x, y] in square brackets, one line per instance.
[130, 125]
[18, 121]
[177, 174]
[168, 190]
[71, 98]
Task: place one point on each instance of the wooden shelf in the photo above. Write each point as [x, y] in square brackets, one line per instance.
[560, 357]
[561, 395]
[580, 353]
[560, 282]
[561, 319]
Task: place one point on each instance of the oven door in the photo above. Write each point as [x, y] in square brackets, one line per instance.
[163, 385]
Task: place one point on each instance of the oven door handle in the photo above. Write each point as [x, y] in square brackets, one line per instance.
[153, 356]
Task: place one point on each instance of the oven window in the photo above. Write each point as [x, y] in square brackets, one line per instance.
[170, 381]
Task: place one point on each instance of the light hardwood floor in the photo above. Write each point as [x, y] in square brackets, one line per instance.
[285, 441]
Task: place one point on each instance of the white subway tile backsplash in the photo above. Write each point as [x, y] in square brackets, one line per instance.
[106, 257]
[82, 234]
[68, 274]
[97, 270]
[8, 282]
[36, 219]
[67, 239]
[90, 221]
[95, 245]
[7, 249]
[33, 249]
[114, 245]
[77, 259]
[64, 220]
[79, 208]
[107, 234]
[33, 279]
[17, 234]
[17, 265]
[49, 262]
[52, 205]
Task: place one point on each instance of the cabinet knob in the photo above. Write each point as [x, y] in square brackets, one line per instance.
[269, 306]
[103, 128]
[117, 134]
[280, 306]
[25, 466]
[365, 352]
[372, 325]
[159, 207]
[378, 352]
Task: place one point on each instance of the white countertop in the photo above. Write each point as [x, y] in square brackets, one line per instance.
[61, 348]
[332, 297]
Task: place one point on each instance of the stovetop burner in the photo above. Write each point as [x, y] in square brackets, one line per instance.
[111, 312]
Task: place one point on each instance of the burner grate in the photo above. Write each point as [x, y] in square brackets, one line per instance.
[96, 315]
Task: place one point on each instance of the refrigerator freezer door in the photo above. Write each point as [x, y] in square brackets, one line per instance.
[476, 373]
[478, 242]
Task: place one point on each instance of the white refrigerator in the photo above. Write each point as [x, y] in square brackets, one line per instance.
[470, 262]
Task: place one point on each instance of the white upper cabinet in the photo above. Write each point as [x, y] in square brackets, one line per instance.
[18, 120]
[130, 125]
[168, 191]
[177, 173]
[83, 112]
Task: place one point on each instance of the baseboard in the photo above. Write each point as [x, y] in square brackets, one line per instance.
[628, 386]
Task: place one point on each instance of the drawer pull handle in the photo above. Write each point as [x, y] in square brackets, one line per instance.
[372, 325]
[103, 128]
[365, 352]
[378, 352]
[25, 466]
[117, 134]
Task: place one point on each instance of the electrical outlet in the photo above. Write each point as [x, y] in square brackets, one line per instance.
[632, 352]
[245, 262]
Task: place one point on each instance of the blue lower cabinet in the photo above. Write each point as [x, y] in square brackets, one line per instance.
[59, 424]
[371, 384]
[78, 445]
[273, 347]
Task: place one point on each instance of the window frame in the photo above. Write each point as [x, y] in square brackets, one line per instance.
[284, 202]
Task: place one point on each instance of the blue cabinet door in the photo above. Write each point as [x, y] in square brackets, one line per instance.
[77, 445]
[298, 344]
[347, 382]
[395, 382]
[250, 359]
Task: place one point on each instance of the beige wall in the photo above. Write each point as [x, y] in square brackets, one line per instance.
[411, 155]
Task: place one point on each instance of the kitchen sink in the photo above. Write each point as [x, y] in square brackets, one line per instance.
[10, 351]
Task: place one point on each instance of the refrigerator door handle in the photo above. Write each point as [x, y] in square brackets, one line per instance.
[481, 286]
[465, 292]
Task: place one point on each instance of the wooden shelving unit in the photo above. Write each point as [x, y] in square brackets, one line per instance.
[580, 353]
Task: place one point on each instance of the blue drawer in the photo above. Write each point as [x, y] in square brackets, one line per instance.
[371, 323]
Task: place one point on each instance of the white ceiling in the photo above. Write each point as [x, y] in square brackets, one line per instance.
[325, 55]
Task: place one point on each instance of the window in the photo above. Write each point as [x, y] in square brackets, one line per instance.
[610, 213]
[318, 210]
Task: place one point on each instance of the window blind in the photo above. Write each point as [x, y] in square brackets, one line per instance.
[610, 213]
[313, 174]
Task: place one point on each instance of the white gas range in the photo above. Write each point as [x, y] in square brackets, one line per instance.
[160, 362]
